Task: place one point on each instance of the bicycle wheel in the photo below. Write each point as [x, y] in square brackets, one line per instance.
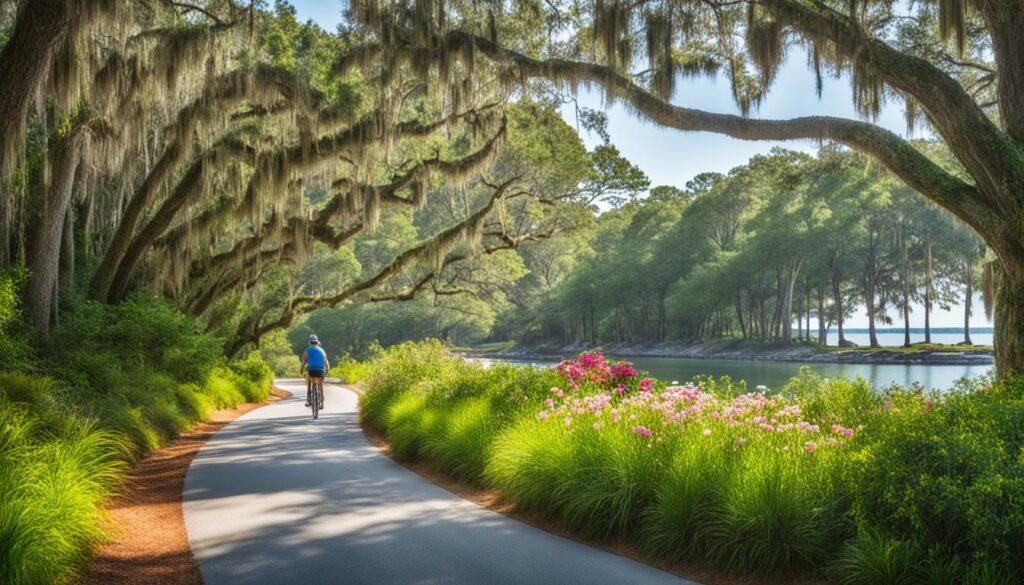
[315, 400]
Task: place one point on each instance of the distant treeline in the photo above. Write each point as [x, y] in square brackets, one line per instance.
[786, 247]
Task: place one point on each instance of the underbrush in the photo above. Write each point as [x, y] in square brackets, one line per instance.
[828, 477]
[115, 382]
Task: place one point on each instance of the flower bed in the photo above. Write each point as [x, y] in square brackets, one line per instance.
[828, 477]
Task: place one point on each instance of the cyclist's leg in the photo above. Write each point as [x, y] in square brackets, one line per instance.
[309, 384]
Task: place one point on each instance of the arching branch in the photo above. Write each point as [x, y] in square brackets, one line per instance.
[432, 250]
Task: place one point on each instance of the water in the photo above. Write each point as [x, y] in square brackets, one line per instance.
[889, 337]
[775, 374]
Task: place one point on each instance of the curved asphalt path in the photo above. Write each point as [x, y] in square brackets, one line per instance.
[276, 498]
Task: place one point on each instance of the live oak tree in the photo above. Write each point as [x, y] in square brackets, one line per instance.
[177, 143]
[959, 66]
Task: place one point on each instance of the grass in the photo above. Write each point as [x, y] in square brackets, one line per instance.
[916, 348]
[484, 348]
[830, 478]
[136, 376]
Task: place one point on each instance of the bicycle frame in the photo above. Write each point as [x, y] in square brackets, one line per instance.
[315, 394]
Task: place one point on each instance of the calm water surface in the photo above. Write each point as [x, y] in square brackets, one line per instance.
[775, 374]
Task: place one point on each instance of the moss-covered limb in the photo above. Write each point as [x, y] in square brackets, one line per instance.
[279, 172]
[320, 227]
[980, 145]
[242, 278]
[454, 171]
[432, 251]
[183, 192]
[506, 242]
[224, 94]
[888, 148]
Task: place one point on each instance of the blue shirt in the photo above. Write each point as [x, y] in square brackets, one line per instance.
[315, 358]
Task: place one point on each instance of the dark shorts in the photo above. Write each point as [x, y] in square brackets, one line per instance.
[316, 374]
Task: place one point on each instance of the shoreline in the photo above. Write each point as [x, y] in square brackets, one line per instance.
[746, 350]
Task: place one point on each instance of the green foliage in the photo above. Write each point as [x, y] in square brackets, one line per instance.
[14, 347]
[122, 380]
[113, 344]
[922, 489]
[948, 471]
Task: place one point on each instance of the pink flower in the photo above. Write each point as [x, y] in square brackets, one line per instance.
[809, 447]
[644, 385]
[641, 431]
[740, 442]
[542, 415]
[597, 426]
[842, 430]
[558, 392]
[707, 432]
[568, 420]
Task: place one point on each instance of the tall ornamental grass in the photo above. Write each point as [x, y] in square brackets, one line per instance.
[825, 477]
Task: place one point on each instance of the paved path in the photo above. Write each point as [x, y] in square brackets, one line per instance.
[276, 498]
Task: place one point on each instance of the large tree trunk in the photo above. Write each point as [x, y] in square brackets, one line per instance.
[143, 198]
[142, 242]
[1009, 321]
[45, 252]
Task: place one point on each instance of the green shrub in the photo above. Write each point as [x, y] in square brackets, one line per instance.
[948, 471]
[221, 389]
[460, 443]
[351, 371]
[198, 405]
[405, 422]
[15, 350]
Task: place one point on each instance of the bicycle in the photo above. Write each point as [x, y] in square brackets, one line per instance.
[316, 392]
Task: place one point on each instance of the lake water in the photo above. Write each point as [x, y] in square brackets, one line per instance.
[775, 374]
[895, 338]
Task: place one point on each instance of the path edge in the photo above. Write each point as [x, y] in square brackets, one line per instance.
[148, 542]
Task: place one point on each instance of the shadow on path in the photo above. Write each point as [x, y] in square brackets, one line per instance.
[277, 497]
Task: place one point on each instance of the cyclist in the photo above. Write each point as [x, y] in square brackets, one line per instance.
[315, 365]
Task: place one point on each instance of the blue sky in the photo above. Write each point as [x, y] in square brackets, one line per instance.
[671, 157]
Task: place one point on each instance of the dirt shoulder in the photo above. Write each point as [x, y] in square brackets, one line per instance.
[149, 545]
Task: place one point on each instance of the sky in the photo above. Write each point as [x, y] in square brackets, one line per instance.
[672, 157]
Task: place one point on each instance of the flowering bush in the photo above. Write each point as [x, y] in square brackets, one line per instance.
[826, 474]
[591, 370]
[679, 409]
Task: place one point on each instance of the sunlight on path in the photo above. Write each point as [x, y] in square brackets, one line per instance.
[277, 498]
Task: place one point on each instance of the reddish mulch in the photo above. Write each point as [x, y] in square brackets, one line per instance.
[492, 501]
[149, 545]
